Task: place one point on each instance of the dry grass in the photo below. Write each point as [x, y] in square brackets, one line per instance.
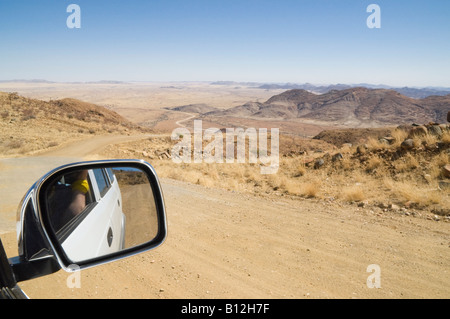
[446, 137]
[399, 136]
[373, 163]
[375, 144]
[28, 126]
[441, 159]
[408, 163]
[428, 139]
[310, 189]
[353, 193]
[373, 177]
[418, 195]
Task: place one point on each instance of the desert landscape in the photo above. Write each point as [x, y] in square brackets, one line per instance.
[363, 179]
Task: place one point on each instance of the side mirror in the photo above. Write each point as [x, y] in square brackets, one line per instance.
[89, 213]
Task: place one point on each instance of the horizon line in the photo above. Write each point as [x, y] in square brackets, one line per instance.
[225, 82]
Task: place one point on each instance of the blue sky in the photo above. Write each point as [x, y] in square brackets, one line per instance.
[298, 41]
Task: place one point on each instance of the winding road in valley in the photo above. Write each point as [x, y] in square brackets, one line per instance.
[179, 123]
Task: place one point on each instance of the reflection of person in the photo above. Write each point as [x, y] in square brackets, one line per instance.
[80, 187]
[69, 199]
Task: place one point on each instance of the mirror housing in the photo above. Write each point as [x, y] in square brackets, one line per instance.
[41, 251]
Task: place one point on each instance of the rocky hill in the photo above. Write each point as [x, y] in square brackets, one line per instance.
[194, 108]
[31, 125]
[354, 106]
[416, 93]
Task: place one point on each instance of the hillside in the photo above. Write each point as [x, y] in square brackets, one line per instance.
[404, 168]
[194, 108]
[352, 107]
[31, 125]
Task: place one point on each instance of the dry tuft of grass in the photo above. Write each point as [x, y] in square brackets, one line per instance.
[373, 163]
[407, 192]
[310, 189]
[441, 159]
[429, 139]
[399, 136]
[375, 144]
[406, 164]
[353, 193]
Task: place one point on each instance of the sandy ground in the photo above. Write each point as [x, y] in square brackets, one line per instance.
[145, 103]
[144, 95]
[224, 244]
[140, 212]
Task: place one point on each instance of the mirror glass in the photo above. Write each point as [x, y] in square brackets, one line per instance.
[98, 211]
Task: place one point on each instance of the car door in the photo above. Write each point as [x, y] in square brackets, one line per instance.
[102, 224]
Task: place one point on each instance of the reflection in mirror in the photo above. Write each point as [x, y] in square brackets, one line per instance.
[100, 211]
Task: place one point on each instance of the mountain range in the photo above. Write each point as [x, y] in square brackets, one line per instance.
[413, 92]
[354, 106]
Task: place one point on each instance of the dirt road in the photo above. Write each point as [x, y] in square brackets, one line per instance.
[18, 174]
[191, 116]
[224, 244]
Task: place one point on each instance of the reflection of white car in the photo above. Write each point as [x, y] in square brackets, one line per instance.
[100, 228]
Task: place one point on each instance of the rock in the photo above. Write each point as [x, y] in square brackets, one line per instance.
[388, 140]
[337, 157]
[383, 205]
[446, 171]
[404, 127]
[319, 163]
[448, 116]
[441, 145]
[420, 130]
[430, 147]
[361, 149]
[444, 127]
[443, 185]
[407, 144]
[363, 204]
[435, 130]
[394, 207]
[410, 204]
